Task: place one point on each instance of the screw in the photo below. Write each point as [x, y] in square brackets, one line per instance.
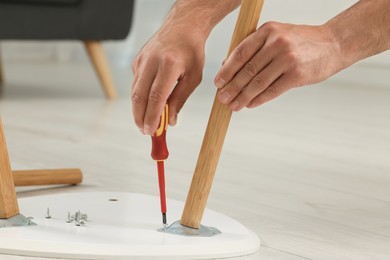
[70, 218]
[48, 213]
[29, 219]
[78, 218]
[84, 217]
[81, 216]
[79, 222]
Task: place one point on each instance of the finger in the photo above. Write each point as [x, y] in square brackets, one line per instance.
[135, 65]
[162, 87]
[280, 86]
[256, 64]
[179, 96]
[140, 93]
[134, 68]
[257, 85]
[135, 80]
[240, 55]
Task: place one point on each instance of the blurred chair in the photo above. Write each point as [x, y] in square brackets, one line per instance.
[90, 21]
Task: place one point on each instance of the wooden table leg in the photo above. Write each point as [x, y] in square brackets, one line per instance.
[8, 201]
[9, 179]
[216, 128]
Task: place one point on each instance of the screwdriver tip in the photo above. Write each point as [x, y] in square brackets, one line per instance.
[164, 217]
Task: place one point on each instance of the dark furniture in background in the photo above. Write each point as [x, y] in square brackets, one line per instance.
[90, 21]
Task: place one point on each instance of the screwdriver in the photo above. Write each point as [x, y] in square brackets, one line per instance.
[159, 154]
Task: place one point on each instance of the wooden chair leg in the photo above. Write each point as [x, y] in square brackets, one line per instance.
[1, 69]
[8, 201]
[99, 61]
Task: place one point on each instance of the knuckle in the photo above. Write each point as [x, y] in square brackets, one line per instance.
[234, 87]
[292, 58]
[137, 98]
[269, 26]
[283, 41]
[239, 53]
[245, 98]
[169, 59]
[298, 72]
[300, 76]
[259, 82]
[156, 96]
[250, 69]
[271, 92]
[237, 88]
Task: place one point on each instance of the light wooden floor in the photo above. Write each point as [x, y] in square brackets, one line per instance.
[309, 172]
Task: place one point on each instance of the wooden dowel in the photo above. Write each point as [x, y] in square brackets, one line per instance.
[8, 201]
[47, 177]
[217, 127]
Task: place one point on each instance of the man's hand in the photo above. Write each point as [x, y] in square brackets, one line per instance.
[274, 59]
[169, 65]
[278, 57]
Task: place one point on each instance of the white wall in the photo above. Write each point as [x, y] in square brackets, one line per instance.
[149, 14]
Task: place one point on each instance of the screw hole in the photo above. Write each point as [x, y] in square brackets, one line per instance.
[112, 199]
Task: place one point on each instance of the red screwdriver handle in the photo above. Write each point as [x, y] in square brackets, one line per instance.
[159, 144]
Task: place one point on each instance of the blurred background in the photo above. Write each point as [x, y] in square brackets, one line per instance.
[148, 16]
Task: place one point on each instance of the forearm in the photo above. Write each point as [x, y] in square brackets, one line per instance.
[198, 16]
[362, 30]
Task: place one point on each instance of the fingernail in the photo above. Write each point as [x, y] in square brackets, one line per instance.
[147, 130]
[234, 105]
[219, 83]
[172, 119]
[224, 97]
[141, 130]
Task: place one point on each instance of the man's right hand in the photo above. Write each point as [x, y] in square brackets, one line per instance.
[170, 67]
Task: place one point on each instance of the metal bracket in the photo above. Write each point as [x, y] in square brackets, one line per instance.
[17, 221]
[178, 229]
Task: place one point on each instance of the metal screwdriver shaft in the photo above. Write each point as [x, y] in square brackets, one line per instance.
[161, 184]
